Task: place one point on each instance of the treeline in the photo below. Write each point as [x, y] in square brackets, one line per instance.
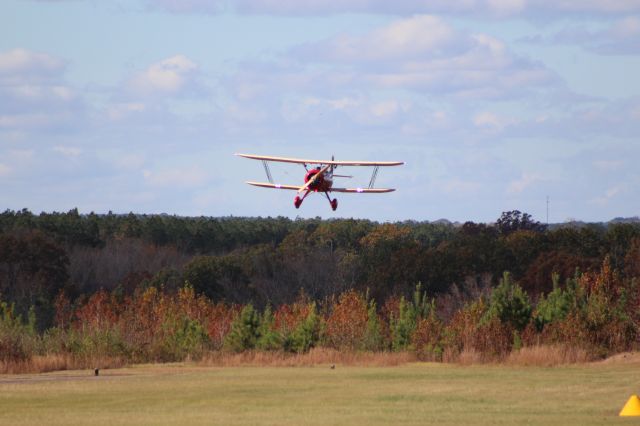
[240, 262]
[596, 312]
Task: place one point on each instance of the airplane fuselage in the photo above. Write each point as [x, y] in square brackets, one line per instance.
[322, 183]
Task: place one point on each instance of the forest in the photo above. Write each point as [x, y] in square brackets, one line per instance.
[142, 288]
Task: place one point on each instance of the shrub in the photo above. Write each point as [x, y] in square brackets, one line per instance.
[347, 324]
[373, 339]
[461, 333]
[509, 303]
[307, 334]
[556, 306]
[17, 340]
[427, 338]
[185, 338]
[244, 331]
[408, 315]
[269, 339]
[402, 327]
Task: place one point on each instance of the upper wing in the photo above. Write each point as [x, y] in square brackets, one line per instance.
[329, 162]
[275, 185]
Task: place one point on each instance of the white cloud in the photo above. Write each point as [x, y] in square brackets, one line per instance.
[549, 9]
[519, 185]
[4, 170]
[459, 187]
[586, 6]
[489, 120]
[419, 54]
[33, 93]
[410, 37]
[608, 165]
[385, 108]
[360, 110]
[68, 151]
[415, 37]
[341, 103]
[35, 120]
[176, 177]
[506, 7]
[130, 161]
[601, 119]
[621, 37]
[119, 111]
[25, 61]
[169, 76]
[627, 27]
[22, 154]
[608, 195]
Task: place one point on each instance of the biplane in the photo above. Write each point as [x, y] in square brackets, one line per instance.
[320, 177]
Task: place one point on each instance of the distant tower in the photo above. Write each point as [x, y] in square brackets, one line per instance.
[547, 210]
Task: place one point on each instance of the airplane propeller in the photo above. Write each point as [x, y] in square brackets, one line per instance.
[313, 178]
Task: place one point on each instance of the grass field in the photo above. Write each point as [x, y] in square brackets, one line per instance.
[443, 394]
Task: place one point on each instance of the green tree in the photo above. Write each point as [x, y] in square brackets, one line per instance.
[244, 333]
[409, 314]
[307, 334]
[373, 340]
[515, 220]
[269, 339]
[509, 303]
[556, 305]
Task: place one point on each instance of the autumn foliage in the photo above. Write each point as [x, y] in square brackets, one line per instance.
[109, 290]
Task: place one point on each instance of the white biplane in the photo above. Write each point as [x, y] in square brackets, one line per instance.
[320, 178]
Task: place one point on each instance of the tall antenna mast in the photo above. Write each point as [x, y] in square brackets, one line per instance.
[547, 210]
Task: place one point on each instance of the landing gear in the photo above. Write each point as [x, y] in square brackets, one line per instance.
[297, 202]
[333, 203]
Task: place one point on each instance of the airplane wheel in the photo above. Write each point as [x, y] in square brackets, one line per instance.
[334, 204]
[297, 201]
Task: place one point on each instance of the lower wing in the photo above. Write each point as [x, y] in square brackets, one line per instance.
[349, 190]
[363, 190]
[275, 185]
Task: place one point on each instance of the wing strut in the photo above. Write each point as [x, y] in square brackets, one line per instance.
[374, 175]
[267, 171]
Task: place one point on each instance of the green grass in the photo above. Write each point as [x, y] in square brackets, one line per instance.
[411, 394]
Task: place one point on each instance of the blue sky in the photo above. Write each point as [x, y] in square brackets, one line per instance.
[494, 105]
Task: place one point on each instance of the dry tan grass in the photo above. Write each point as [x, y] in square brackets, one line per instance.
[539, 355]
[548, 355]
[316, 356]
[623, 358]
[57, 362]
[466, 357]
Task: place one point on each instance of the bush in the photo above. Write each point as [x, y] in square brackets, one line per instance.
[307, 334]
[18, 341]
[269, 339]
[408, 315]
[244, 331]
[183, 337]
[347, 324]
[461, 334]
[427, 338]
[556, 306]
[509, 304]
[373, 339]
